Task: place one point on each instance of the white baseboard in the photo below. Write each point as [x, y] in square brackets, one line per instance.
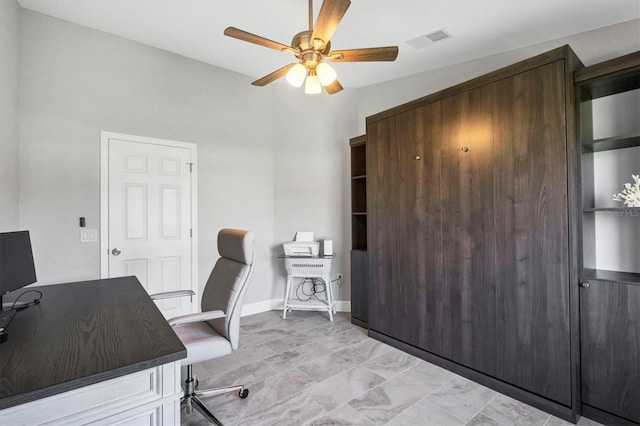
[264, 306]
[343, 306]
[277, 304]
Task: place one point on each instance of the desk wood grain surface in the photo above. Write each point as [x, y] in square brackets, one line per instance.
[80, 334]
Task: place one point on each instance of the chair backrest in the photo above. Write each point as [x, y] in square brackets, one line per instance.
[228, 281]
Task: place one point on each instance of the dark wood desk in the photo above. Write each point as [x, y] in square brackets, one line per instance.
[81, 334]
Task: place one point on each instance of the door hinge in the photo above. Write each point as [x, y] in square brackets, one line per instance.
[190, 167]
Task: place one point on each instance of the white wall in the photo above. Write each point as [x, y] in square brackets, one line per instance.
[75, 82]
[9, 136]
[312, 186]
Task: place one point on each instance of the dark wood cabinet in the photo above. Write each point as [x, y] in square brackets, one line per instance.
[609, 299]
[468, 206]
[531, 219]
[359, 288]
[359, 256]
[610, 328]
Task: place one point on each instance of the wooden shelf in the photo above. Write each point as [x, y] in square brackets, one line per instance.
[615, 66]
[617, 142]
[621, 81]
[611, 209]
[612, 276]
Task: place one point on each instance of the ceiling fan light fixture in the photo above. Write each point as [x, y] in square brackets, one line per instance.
[312, 86]
[296, 75]
[326, 73]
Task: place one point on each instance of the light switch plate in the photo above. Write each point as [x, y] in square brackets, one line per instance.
[88, 235]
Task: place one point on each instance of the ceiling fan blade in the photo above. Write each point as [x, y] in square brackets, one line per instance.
[334, 87]
[273, 76]
[388, 53]
[330, 15]
[255, 39]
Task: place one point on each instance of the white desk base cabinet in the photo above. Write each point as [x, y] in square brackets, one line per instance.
[149, 397]
[308, 267]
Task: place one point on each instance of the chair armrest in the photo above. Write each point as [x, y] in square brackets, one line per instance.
[171, 294]
[199, 317]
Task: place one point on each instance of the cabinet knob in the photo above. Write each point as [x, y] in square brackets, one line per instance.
[585, 285]
[418, 157]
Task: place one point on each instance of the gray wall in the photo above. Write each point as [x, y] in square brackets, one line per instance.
[9, 137]
[75, 82]
[312, 185]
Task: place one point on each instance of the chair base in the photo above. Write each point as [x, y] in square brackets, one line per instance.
[191, 398]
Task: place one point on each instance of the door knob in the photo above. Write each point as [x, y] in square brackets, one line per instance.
[115, 252]
[585, 285]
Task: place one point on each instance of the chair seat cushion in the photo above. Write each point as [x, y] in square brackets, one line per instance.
[202, 342]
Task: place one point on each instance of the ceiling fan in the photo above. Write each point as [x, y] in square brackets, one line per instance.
[312, 48]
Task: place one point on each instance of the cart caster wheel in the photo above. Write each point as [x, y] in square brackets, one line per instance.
[243, 393]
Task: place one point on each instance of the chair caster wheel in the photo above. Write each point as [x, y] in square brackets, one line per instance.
[196, 384]
[243, 393]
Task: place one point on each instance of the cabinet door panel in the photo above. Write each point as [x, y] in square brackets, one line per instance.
[359, 285]
[467, 284]
[382, 161]
[395, 243]
[436, 318]
[610, 339]
[532, 266]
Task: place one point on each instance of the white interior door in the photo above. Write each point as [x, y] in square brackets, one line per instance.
[149, 213]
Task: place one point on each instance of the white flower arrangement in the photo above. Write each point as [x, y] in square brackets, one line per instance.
[630, 196]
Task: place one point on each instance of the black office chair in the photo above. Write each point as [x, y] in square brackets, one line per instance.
[214, 332]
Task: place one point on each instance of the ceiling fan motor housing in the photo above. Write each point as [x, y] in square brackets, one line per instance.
[309, 56]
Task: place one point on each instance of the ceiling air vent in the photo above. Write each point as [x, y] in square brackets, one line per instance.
[425, 40]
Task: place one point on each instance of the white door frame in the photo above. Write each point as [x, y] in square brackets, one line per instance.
[104, 198]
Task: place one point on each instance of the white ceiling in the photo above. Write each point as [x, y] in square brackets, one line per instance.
[194, 28]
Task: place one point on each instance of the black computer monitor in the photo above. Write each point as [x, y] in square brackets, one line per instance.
[16, 262]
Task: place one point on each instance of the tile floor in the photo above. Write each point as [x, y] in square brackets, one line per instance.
[306, 370]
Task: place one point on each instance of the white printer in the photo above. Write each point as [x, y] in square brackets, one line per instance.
[303, 245]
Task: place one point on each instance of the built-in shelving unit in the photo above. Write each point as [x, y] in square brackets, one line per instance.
[359, 193]
[359, 255]
[592, 83]
[609, 299]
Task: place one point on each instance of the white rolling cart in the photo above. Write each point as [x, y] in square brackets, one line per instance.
[309, 267]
